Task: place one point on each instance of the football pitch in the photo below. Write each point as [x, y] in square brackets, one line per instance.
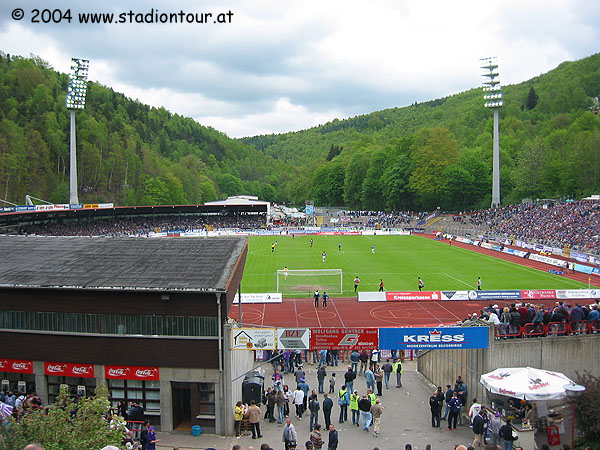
[398, 260]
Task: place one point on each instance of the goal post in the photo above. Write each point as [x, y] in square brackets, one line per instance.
[302, 281]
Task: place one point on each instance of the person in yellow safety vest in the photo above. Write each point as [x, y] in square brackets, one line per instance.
[398, 371]
[371, 396]
[343, 402]
[354, 398]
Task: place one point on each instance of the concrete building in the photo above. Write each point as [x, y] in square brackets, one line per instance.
[146, 317]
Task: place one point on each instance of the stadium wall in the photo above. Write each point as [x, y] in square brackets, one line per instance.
[566, 354]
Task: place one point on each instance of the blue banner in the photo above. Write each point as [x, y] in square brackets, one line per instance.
[432, 338]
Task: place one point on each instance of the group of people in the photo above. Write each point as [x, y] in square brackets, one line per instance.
[365, 407]
[515, 315]
[576, 223]
[143, 226]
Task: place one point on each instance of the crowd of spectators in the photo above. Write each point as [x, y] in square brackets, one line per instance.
[143, 226]
[517, 315]
[393, 219]
[556, 224]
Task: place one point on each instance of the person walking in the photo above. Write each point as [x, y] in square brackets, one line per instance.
[298, 401]
[506, 433]
[387, 369]
[479, 428]
[494, 427]
[354, 398]
[454, 411]
[354, 359]
[332, 443]
[321, 374]
[327, 407]
[314, 407]
[315, 438]
[349, 377]
[290, 437]
[343, 402]
[238, 415]
[325, 297]
[253, 415]
[356, 283]
[280, 403]
[364, 405]
[421, 284]
[435, 405]
[378, 373]
[370, 379]
[381, 285]
[398, 370]
[449, 392]
[376, 412]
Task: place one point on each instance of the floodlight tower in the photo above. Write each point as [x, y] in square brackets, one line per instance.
[75, 100]
[493, 97]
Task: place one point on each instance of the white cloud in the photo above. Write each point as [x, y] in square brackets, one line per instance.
[283, 66]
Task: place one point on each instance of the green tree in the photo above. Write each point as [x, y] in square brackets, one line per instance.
[532, 99]
[396, 193]
[354, 177]
[156, 192]
[66, 425]
[434, 151]
[328, 185]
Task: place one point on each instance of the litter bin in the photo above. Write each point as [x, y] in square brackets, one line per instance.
[253, 387]
[196, 430]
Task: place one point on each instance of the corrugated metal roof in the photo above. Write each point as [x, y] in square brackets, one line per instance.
[181, 264]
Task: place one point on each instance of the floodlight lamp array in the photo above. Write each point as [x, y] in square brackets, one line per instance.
[492, 84]
[77, 83]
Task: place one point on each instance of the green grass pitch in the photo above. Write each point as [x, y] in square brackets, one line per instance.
[398, 260]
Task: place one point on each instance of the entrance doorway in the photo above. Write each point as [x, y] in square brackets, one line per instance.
[182, 405]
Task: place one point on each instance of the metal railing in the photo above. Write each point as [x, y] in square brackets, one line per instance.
[125, 324]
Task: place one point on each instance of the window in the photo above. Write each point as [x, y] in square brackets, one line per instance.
[206, 398]
[146, 392]
[13, 381]
[54, 383]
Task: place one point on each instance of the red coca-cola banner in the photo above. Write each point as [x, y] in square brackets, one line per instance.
[131, 373]
[16, 365]
[69, 369]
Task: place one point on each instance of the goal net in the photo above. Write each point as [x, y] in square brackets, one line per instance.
[303, 281]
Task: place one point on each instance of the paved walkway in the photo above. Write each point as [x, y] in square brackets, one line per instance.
[406, 419]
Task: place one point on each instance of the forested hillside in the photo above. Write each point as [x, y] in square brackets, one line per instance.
[127, 152]
[439, 153]
[436, 153]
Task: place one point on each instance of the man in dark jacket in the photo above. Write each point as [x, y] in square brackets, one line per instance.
[321, 374]
[479, 426]
[327, 407]
[435, 405]
[364, 360]
[314, 407]
[449, 392]
[349, 377]
[332, 444]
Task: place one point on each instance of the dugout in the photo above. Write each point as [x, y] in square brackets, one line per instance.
[145, 317]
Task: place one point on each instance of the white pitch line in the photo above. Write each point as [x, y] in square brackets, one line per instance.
[454, 278]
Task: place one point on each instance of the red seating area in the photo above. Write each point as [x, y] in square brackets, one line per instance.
[553, 328]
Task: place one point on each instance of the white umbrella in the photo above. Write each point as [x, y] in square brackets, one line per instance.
[526, 383]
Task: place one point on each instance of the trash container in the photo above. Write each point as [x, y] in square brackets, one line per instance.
[253, 387]
[196, 430]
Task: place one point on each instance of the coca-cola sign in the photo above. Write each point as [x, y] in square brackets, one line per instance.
[77, 370]
[16, 365]
[131, 373]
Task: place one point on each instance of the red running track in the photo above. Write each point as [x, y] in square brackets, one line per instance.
[348, 312]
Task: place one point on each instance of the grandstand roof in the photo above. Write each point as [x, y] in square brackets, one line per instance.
[167, 264]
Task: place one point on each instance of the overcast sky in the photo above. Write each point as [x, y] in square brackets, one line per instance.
[287, 65]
